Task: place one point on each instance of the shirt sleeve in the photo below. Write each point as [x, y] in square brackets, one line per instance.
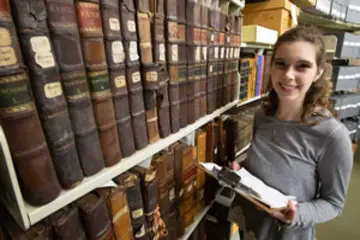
[334, 169]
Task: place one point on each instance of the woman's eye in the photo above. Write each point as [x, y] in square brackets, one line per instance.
[303, 66]
[279, 64]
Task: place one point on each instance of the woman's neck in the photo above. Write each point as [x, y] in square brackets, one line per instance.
[289, 111]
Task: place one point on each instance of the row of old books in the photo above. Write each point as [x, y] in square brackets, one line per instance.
[154, 203]
[84, 83]
[254, 74]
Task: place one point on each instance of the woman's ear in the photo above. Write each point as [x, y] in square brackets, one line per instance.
[319, 74]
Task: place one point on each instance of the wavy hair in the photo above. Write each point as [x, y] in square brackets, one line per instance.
[317, 97]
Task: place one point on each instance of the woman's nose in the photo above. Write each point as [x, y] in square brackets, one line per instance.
[290, 73]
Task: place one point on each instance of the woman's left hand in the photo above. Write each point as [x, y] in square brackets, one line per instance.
[286, 216]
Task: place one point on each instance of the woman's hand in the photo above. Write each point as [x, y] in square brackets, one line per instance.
[288, 215]
[235, 166]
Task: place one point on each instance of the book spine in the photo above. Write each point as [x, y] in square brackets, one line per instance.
[90, 26]
[115, 54]
[62, 22]
[46, 85]
[20, 120]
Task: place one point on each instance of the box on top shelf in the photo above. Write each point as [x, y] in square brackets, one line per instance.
[279, 19]
[348, 45]
[316, 6]
[346, 105]
[258, 34]
[339, 9]
[345, 78]
[353, 11]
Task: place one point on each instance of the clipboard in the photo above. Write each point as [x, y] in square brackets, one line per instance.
[255, 201]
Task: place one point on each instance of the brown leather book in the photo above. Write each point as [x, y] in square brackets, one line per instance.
[110, 13]
[172, 225]
[21, 123]
[182, 80]
[170, 179]
[67, 224]
[160, 162]
[118, 210]
[137, 108]
[132, 185]
[144, 32]
[162, 103]
[127, 20]
[95, 216]
[90, 26]
[47, 89]
[171, 9]
[178, 171]
[122, 111]
[41, 231]
[181, 11]
[157, 7]
[193, 13]
[64, 32]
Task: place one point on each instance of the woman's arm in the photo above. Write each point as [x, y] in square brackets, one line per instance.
[334, 170]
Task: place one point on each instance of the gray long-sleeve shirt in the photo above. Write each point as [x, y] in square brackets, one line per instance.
[312, 163]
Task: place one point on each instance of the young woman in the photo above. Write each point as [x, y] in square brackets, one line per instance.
[298, 146]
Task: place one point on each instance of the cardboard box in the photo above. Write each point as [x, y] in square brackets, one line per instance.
[258, 34]
[279, 20]
[345, 78]
[267, 5]
[353, 11]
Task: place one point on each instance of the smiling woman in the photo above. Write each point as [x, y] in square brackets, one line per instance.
[297, 144]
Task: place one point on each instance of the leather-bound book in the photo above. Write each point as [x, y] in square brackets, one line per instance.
[95, 216]
[178, 171]
[174, 97]
[122, 111]
[183, 85]
[157, 7]
[40, 231]
[170, 178]
[90, 26]
[172, 226]
[144, 32]
[118, 210]
[162, 103]
[67, 224]
[171, 9]
[132, 185]
[143, 5]
[62, 22]
[11, 59]
[21, 123]
[137, 108]
[46, 85]
[160, 162]
[110, 13]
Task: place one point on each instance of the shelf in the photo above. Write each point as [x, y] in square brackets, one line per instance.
[326, 22]
[250, 100]
[27, 215]
[256, 46]
[189, 230]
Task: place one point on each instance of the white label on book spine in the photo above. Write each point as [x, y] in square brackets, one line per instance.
[189, 188]
[45, 59]
[118, 53]
[174, 53]
[137, 213]
[131, 26]
[53, 90]
[198, 54]
[133, 51]
[5, 39]
[216, 51]
[120, 81]
[222, 53]
[136, 77]
[114, 24]
[40, 44]
[162, 52]
[172, 194]
[204, 49]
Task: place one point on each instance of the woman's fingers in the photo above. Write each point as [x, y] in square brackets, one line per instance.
[235, 166]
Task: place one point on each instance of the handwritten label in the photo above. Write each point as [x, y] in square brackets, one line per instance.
[120, 81]
[216, 50]
[45, 59]
[136, 77]
[53, 90]
[151, 76]
[114, 24]
[137, 213]
[118, 53]
[197, 54]
[212, 37]
[5, 39]
[133, 52]
[7, 56]
[162, 52]
[222, 53]
[131, 26]
[174, 53]
[40, 44]
[172, 194]
[204, 49]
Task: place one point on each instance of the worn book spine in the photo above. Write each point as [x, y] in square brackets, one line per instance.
[118, 210]
[20, 120]
[48, 92]
[95, 216]
[160, 162]
[115, 54]
[132, 185]
[90, 26]
[67, 224]
[62, 22]
[162, 103]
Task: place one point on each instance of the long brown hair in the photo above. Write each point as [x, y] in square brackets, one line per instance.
[317, 97]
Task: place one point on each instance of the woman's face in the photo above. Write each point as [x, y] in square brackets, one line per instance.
[294, 70]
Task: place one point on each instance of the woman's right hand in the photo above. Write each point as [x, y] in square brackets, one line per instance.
[235, 166]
